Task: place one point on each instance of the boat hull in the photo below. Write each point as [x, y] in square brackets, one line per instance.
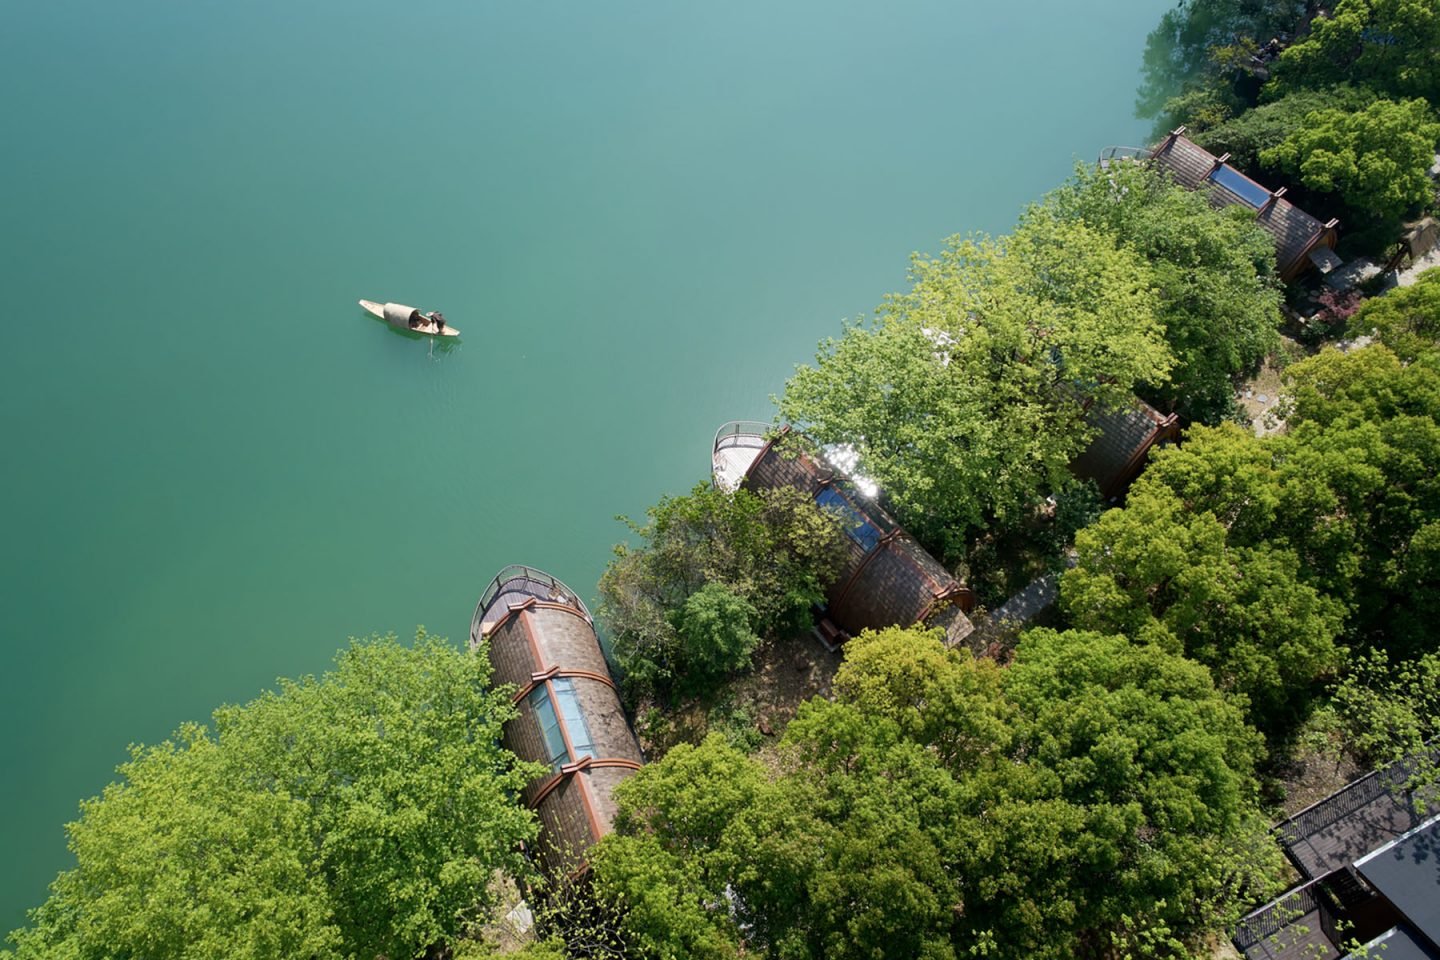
[428, 329]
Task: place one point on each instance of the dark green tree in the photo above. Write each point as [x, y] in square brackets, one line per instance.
[1388, 45]
[1265, 127]
[765, 558]
[1196, 63]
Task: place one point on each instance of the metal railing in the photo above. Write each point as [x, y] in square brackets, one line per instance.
[520, 579]
[1111, 154]
[1394, 780]
[738, 429]
[1285, 911]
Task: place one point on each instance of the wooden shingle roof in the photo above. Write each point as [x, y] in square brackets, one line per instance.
[887, 578]
[1124, 437]
[1295, 232]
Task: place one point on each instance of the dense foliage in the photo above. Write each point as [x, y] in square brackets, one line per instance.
[1268, 125]
[964, 399]
[1387, 45]
[361, 814]
[715, 575]
[1093, 797]
[1164, 570]
[1213, 272]
[1376, 159]
[1390, 710]
[1407, 320]
[1197, 59]
[1257, 555]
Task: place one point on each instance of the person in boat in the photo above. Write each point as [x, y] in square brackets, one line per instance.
[438, 319]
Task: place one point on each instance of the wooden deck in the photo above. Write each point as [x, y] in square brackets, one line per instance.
[1303, 939]
[732, 456]
[1291, 927]
[1347, 825]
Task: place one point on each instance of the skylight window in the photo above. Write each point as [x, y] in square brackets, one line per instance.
[1242, 186]
[557, 755]
[575, 723]
[856, 524]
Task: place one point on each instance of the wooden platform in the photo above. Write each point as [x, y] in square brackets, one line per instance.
[1350, 823]
[732, 457]
[1303, 939]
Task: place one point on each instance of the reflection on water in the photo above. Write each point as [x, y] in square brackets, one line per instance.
[439, 346]
[1180, 52]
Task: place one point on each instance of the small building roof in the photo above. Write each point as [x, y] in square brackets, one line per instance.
[1363, 815]
[1124, 436]
[1407, 872]
[1295, 232]
[1397, 943]
[541, 640]
[887, 578]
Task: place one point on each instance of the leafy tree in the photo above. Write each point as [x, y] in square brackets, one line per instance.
[714, 629]
[1376, 159]
[1194, 58]
[964, 400]
[1388, 45]
[1265, 127]
[1164, 574]
[1095, 796]
[1257, 556]
[1406, 320]
[1214, 273]
[355, 815]
[1371, 426]
[773, 553]
[1391, 711]
[181, 860]
[1149, 766]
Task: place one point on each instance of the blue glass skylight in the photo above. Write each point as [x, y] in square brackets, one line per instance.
[860, 529]
[575, 724]
[557, 755]
[1240, 185]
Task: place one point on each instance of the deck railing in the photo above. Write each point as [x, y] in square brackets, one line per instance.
[518, 578]
[1265, 925]
[1394, 780]
[1111, 154]
[735, 430]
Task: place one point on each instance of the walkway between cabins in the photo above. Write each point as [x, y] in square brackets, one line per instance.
[1039, 595]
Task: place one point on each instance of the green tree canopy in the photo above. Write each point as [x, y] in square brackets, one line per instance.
[765, 559]
[1377, 160]
[1159, 572]
[1265, 127]
[1193, 63]
[1391, 709]
[1407, 320]
[360, 814]
[1257, 556]
[1216, 293]
[1392, 46]
[964, 399]
[1095, 795]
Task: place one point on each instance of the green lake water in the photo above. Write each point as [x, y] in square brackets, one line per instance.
[641, 214]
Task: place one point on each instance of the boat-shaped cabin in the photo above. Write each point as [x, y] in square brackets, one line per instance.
[888, 579]
[540, 637]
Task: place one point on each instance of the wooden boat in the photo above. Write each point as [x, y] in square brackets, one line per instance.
[408, 318]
